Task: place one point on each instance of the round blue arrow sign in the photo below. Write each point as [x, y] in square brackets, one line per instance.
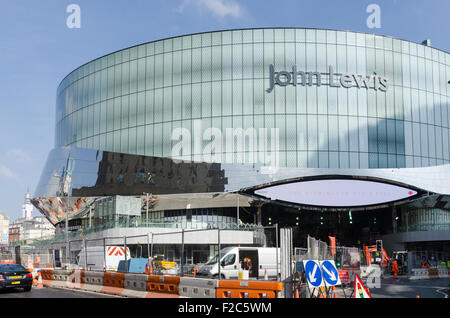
[313, 273]
[330, 273]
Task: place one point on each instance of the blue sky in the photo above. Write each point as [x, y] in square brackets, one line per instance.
[38, 50]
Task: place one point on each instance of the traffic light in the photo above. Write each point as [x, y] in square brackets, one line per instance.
[338, 258]
[379, 245]
[350, 217]
[270, 221]
[297, 221]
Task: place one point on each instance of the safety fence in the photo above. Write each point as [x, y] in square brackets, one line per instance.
[170, 252]
[436, 259]
[121, 224]
[158, 286]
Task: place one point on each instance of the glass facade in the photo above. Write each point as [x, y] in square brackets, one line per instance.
[425, 219]
[132, 100]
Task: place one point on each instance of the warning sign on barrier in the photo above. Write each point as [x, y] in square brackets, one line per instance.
[313, 273]
[344, 276]
[330, 273]
[360, 289]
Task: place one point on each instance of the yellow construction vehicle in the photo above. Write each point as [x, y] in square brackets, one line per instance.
[159, 264]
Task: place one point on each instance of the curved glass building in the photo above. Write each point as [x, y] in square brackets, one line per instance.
[261, 112]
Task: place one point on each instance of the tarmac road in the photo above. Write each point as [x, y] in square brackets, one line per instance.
[51, 293]
[405, 288]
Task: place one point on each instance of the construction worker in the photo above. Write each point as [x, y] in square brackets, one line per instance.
[424, 263]
[149, 266]
[247, 264]
[395, 268]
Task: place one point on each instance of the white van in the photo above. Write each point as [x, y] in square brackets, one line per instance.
[232, 258]
[96, 257]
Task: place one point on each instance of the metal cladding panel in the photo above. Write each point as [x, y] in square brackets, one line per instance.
[96, 173]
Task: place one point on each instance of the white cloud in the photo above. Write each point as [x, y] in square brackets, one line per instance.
[18, 154]
[220, 8]
[9, 174]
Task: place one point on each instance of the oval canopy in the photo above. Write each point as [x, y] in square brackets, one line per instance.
[336, 193]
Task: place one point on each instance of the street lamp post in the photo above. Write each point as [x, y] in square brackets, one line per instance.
[66, 180]
[146, 215]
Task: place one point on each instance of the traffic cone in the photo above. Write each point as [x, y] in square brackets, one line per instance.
[40, 284]
[296, 293]
[333, 292]
[266, 275]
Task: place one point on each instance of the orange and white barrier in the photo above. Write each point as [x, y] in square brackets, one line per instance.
[428, 273]
[158, 286]
[248, 289]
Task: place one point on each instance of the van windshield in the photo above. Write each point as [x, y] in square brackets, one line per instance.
[214, 259]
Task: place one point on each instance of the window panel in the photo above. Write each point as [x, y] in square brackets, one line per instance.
[344, 160]
[424, 139]
[216, 99]
[391, 136]
[167, 105]
[353, 134]
[248, 97]
[302, 133]
[196, 100]
[196, 65]
[323, 134]
[141, 74]
[187, 58]
[333, 133]
[206, 99]
[237, 97]
[133, 77]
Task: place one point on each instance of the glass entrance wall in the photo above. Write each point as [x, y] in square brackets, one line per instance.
[425, 219]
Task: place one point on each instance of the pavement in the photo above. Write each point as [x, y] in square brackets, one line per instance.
[51, 293]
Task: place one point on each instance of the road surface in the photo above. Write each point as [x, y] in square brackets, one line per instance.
[405, 288]
[51, 293]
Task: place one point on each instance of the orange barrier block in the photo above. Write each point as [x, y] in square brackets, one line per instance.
[163, 284]
[113, 283]
[47, 277]
[248, 289]
[433, 273]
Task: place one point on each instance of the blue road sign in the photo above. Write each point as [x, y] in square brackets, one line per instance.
[313, 273]
[330, 273]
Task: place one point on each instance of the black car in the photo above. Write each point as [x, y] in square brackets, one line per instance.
[14, 275]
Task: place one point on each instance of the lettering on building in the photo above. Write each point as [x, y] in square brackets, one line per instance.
[295, 77]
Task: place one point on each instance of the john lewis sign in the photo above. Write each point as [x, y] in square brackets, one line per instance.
[295, 77]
